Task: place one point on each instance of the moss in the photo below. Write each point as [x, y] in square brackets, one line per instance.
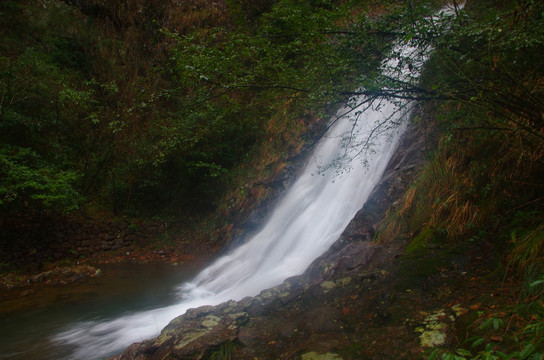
[328, 285]
[432, 338]
[423, 262]
[432, 332]
[420, 240]
[227, 350]
[211, 321]
[315, 356]
[343, 281]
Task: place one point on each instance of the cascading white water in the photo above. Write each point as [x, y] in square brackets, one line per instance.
[309, 219]
[312, 215]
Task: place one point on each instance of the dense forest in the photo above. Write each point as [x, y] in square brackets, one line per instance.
[150, 107]
[177, 109]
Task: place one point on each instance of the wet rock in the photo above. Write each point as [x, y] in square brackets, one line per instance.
[255, 308]
[432, 338]
[433, 330]
[61, 275]
[190, 336]
[248, 336]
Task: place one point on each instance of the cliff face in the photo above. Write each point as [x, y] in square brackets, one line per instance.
[323, 311]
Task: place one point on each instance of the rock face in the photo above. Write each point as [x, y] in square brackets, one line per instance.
[49, 240]
[312, 316]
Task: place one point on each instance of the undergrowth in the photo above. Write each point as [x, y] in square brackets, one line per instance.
[484, 187]
[477, 183]
[518, 334]
[484, 184]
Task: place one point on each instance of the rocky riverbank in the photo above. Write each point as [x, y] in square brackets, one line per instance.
[139, 243]
[355, 303]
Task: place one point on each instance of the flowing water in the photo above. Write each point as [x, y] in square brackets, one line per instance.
[311, 216]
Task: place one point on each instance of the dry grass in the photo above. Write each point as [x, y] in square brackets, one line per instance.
[439, 197]
[527, 254]
[474, 181]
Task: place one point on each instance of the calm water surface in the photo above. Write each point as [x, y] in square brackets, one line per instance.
[26, 324]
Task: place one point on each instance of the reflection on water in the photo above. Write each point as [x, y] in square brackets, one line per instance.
[27, 323]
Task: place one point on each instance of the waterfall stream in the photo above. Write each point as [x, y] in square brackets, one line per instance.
[309, 219]
[311, 216]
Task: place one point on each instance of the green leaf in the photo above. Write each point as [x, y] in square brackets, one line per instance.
[527, 350]
[497, 323]
[433, 354]
[477, 342]
[537, 282]
[463, 352]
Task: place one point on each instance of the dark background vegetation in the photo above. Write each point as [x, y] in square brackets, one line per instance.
[171, 108]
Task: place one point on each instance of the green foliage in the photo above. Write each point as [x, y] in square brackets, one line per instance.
[231, 81]
[29, 184]
[145, 130]
[490, 351]
[295, 51]
[59, 98]
[488, 61]
[525, 343]
[222, 64]
[528, 342]
[95, 92]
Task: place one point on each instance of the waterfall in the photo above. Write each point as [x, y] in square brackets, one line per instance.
[309, 219]
[311, 216]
